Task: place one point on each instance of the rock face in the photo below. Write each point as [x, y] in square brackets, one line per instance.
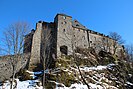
[6, 65]
[85, 68]
[98, 75]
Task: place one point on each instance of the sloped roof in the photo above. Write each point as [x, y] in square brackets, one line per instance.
[75, 23]
[63, 15]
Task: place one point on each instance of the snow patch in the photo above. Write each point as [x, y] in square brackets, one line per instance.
[109, 66]
[78, 86]
[94, 86]
[29, 84]
[87, 69]
[129, 83]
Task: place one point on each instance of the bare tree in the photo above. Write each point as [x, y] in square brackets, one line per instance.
[45, 51]
[14, 43]
[129, 51]
[117, 40]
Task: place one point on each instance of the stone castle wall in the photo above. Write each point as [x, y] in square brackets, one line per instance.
[28, 41]
[66, 35]
[36, 45]
[72, 34]
[48, 44]
[6, 67]
[43, 44]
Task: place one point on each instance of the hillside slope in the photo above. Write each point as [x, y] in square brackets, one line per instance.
[85, 70]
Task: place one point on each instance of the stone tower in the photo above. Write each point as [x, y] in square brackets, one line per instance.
[36, 44]
[70, 34]
[43, 45]
[64, 28]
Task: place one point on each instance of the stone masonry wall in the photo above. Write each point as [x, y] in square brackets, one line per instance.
[64, 34]
[100, 42]
[67, 34]
[36, 44]
[80, 38]
[48, 43]
[6, 68]
[28, 41]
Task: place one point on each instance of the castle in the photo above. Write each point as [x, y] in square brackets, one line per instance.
[61, 37]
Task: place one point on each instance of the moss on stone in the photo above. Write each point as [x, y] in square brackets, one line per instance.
[24, 75]
[50, 85]
[66, 79]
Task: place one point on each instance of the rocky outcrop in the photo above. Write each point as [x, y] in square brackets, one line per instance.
[98, 71]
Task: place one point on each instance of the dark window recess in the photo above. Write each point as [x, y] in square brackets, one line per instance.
[64, 49]
[77, 25]
[64, 30]
[51, 32]
[64, 17]
[75, 20]
[65, 22]
[90, 41]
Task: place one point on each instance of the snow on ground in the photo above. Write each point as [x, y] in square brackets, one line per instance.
[32, 84]
[129, 83]
[94, 86]
[87, 69]
[78, 86]
[73, 86]
[39, 72]
[98, 78]
[29, 84]
[110, 66]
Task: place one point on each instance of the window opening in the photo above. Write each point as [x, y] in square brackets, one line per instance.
[64, 49]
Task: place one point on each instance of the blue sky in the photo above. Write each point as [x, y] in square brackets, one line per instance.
[103, 16]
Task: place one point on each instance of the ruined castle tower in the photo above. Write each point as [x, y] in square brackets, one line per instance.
[65, 35]
[42, 45]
